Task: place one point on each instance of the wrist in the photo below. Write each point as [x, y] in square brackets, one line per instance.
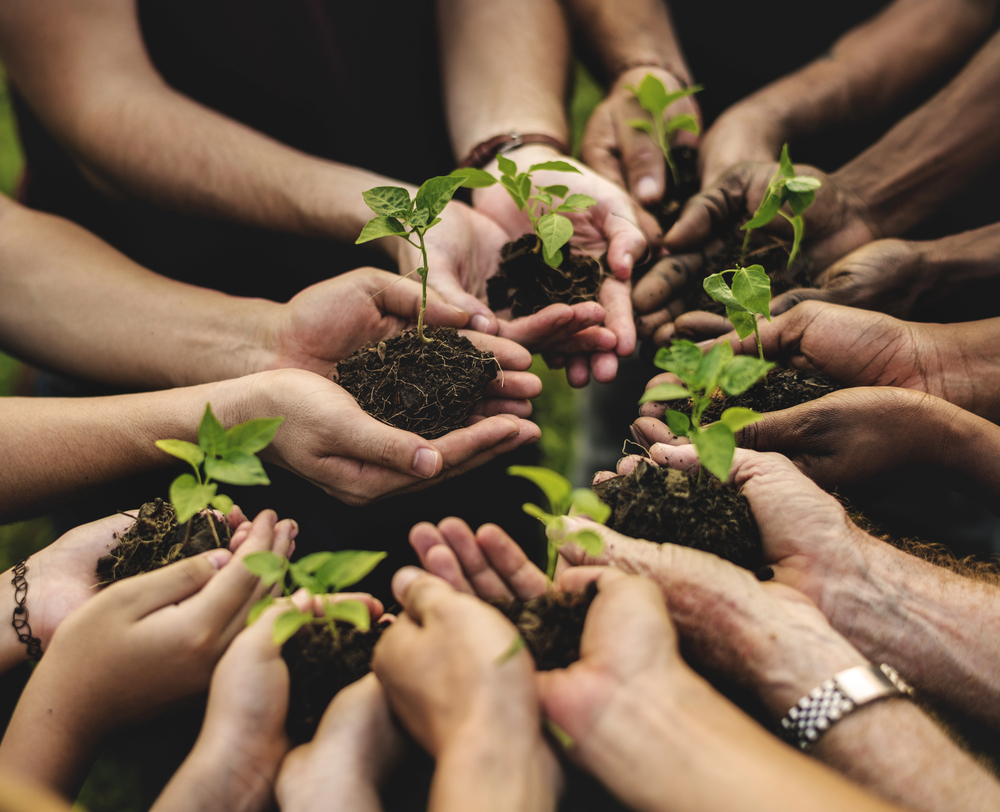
[210, 779]
[12, 651]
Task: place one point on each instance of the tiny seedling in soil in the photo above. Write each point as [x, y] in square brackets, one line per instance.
[534, 270]
[337, 649]
[563, 500]
[749, 297]
[654, 99]
[166, 532]
[701, 375]
[798, 191]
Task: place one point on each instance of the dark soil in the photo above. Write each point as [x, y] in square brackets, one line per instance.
[526, 284]
[781, 389]
[666, 505]
[430, 389]
[319, 668]
[669, 209]
[551, 625]
[155, 540]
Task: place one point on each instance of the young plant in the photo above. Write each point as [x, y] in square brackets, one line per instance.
[399, 216]
[563, 500]
[798, 191]
[654, 99]
[700, 376]
[222, 456]
[749, 297]
[320, 574]
[553, 228]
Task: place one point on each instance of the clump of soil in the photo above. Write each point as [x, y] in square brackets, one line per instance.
[526, 284]
[551, 625]
[319, 668]
[781, 389]
[666, 505]
[155, 540]
[669, 209]
[430, 389]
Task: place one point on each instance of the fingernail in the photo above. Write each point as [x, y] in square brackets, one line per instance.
[218, 558]
[627, 260]
[479, 323]
[425, 462]
[708, 342]
[294, 532]
[403, 578]
[646, 189]
[638, 436]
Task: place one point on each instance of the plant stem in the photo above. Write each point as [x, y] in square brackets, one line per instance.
[756, 332]
[668, 154]
[424, 272]
[550, 570]
[746, 247]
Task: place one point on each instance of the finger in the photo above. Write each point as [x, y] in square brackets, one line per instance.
[507, 558]
[480, 575]
[370, 441]
[599, 146]
[682, 456]
[239, 535]
[509, 355]
[498, 406]
[647, 326]
[664, 282]
[437, 558]
[698, 325]
[577, 579]
[648, 430]
[617, 302]
[235, 518]
[708, 212]
[514, 385]
[318, 603]
[604, 366]
[602, 476]
[481, 318]
[421, 594]
[626, 241]
[645, 169]
[593, 339]
[786, 301]
[552, 325]
[168, 585]
[578, 371]
[401, 296]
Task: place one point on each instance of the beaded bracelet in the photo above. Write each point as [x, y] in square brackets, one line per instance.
[20, 619]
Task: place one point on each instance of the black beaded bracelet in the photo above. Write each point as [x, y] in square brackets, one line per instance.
[20, 619]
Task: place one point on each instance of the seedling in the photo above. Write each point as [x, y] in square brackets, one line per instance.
[553, 228]
[749, 297]
[222, 456]
[399, 216]
[654, 99]
[563, 500]
[798, 191]
[320, 574]
[700, 376]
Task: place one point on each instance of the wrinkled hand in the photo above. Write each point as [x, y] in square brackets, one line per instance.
[836, 224]
[742, 133]
[657, 297]
[626, 155]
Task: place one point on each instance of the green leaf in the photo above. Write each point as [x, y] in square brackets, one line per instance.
[641, 124]
[752, 289]
[259, 608]
[664, 392]
[765, 212]
[554, 259]
[473, 178]
[678, 423]
[798, 230]
[506, 165]
[707, 376]
[652, 95]
[741, 373]
[287, 624]
[236, 468]
[420, 218]
[222, 503]
[269, 567]
[188, 497]
[798, 202]
[536, 512]
[545, 198]
[308, 564]
[585, 502]
[737, 417]
[579, 201]
[785, 167]
[587, 540]
[717, 287]
[554, 166]
[715, 446]
[681, 358]
[803, 183]
[682, 93]
[524, 185]
[435, 193]
[557, 489]
[554, 230]
[555, 191]
[188, 452]
[684, 121]
[742, 321]
[253, 435]
[514, 190]
[347, 567]
[211, 435]
[391, 201]
[354, 612]
[378, 227]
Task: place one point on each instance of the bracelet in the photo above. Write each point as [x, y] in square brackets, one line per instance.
[486, 151]
[650, 63]
[20, 619]
[809, 718]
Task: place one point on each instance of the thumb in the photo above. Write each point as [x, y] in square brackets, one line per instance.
[626, 242]
[372, 441]
[402, 298]
[707, 212]
[773, 432]
[171, 584]
[786, 301]
[481, 318]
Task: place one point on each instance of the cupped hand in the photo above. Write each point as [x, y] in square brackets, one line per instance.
[629, 156]
[658, 297]
[743, 133]
[837, 223]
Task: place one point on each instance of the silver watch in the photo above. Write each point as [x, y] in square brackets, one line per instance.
[809, 718]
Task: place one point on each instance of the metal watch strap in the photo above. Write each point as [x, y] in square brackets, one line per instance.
[815, 713]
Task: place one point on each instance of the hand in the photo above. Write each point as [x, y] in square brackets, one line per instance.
[625, 155]
[658, 298]
[742, 133]
[328, 440]
[836, 224]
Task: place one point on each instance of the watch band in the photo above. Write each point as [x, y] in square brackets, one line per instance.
[815, 713]
[486, 151]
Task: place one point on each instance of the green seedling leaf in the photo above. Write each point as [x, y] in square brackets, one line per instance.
[585, 502]
[354, 612]
[435, 193]
[785, 167]
[682, 93]
[269, 567]
[474, 178]
[765, 212]
[211, 435]
[641, 124]
[391, 201]
[236, 468]
[737, 417]
[681, 358]
[684, 121]
[664, 392]
[678, 423]
[566, 741]
[379, 227]
[752, 289]
[716, 287]
[524, 185]
[420, 219]
[798, 230]
[287, 624]
[798, 202]
[587, 540]
[347, 567]
[554, 166]
[259, 608]
[743, 372]
[557, 489]
[506, 165]
[309, 564]
[513, 188]
[253, 435]
[803, 183]
[707, 376]
[188, 452]
[555, 191]
[545, 198]
[715, 446]
[652, 95]
[511, 651]
[222, 503]
[554, 259]
[188, 497]
[742, 321]
[537, 513]
[555, 231]
[579, 201]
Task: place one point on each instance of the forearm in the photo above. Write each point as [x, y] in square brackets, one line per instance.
[926, 158]
[504, 69]
[207, 782]
[960, 259]
[630, 34]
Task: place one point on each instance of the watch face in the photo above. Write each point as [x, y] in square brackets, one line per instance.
[864, 683]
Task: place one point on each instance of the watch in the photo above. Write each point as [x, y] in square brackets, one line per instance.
[815, 713]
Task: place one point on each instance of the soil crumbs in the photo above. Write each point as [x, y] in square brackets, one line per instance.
[666, 505]
[155, 540]
[781, 389]
[526, 284]
[430, 389]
